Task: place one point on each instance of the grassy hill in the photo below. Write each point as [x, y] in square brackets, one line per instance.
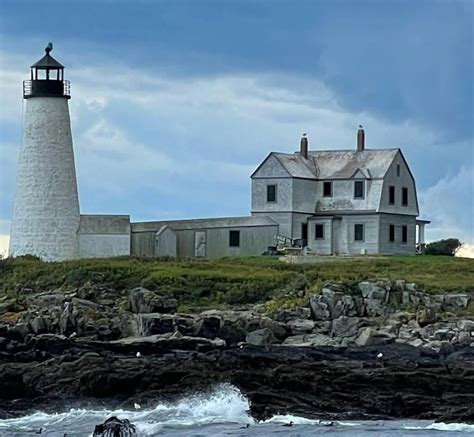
[230, 281]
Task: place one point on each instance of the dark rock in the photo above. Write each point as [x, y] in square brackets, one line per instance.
[346, 326]
[261, 337]
[146, 301]
[427, 316]
[115, 427]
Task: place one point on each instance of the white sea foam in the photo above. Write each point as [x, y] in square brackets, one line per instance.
[224, 405]
[459, 427]
[287, 418]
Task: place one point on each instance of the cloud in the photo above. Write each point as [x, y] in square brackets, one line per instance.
[449, 204]
[4, 242]
[466, 251]
[158, 146]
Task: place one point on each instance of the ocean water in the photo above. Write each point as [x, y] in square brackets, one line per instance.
[221, 413]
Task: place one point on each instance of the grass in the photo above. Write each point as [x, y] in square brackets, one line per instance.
[230, 281]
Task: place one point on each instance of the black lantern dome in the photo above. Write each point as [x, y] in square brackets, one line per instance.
[47, 78]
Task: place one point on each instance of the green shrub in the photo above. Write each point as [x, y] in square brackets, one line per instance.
[447, 247]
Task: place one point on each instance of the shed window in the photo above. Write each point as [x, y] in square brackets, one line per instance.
[404, 196]
[358, 189]
[234, 238]
[319, 232]
[359, 232]
[271, 193]
[391, 233]
[404, 234]
[391, 195]
[398, 170]
[327, 189]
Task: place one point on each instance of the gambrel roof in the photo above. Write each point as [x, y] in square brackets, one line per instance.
[336, 164]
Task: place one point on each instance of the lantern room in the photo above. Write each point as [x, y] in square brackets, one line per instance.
[47, 78]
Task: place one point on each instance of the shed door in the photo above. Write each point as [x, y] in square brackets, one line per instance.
[200, 244]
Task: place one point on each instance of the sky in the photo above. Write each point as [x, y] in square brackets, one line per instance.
[175, 103]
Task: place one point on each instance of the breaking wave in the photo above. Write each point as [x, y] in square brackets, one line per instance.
[224, 411]
[224, 405]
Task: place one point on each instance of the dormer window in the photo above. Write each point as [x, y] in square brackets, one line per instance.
[358, 189]
[327, 189]
[271, 193]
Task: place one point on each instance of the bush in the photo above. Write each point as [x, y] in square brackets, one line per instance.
[447, 247]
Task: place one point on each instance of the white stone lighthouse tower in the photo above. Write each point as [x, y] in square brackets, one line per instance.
[46, 213]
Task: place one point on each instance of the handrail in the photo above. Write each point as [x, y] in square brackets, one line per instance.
[46, 88]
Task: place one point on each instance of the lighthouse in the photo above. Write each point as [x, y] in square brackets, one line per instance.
[46, 213]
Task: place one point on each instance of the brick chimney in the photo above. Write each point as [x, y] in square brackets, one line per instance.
[304, 146]
[360, 139]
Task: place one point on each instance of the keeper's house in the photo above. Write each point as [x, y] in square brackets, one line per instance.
[336, 202]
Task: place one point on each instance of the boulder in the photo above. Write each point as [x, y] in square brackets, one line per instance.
[400, 284]
[38, 325]
[208, 326]
[261, 337]
[146, 301]
[300, 326]
[402, 317]
[446, 334]
[370, 290]
[426, 316]
[417, 342]
[465, 325]
[346, 326]
[369, 337]
[375, 307]
[155, 324]
[319, 307]
[310, 340]
[7, 307]
[456, 300]
[365, 337]
[286, 315]
[46, 300]
[463, 338]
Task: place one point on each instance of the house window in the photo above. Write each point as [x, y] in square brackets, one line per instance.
[234, 238]
[358, 189]
[359, 232]
[271, 193]
[398, 170]
[391, 195]
[404, 196]
[327, 189]
[319, 232]
[404, 234]
[391, 234]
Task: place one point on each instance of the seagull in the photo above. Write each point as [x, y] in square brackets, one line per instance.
[74, 334]
[138, 355]
[137, 406]
[380, 355]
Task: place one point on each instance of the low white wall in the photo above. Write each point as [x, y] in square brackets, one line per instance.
[103, 245]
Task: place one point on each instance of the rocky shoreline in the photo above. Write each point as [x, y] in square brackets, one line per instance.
[371, 350]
